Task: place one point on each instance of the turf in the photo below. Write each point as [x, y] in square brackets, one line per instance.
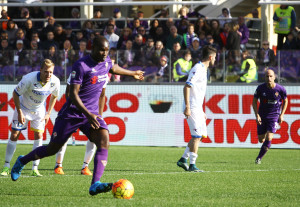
[230, 179]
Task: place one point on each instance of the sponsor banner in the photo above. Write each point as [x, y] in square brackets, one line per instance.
[151, 115]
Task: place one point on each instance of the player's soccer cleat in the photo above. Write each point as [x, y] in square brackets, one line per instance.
[193, 168]
[59, 170]
[258, 161]
[16, 169]
[5, 171]
[36, 173]
[99, 187]
[183, 164]
[86, 171]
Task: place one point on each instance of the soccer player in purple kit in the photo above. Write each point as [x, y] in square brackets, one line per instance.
[272, 96]
[81, 110]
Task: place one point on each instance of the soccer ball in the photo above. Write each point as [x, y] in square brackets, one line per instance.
[123, 189]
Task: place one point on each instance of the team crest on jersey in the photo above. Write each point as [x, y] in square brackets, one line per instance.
[94, 80]
[52, 85]
[73, 74]
[276, 94]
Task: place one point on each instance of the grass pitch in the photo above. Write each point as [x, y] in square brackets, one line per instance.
[230, 179]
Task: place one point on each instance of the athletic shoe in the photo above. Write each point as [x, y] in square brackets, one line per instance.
[193, 168]
[5, 171]
[258, 161]
[99, 187]
[183, 164]
[59, 170]
[86, 171]
[36, 173]
[16, 169]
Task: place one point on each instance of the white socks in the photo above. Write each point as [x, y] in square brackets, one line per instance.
[186, 153]
[10, 150]
[89, 153]
[193, 157]
[36, 144]
[60, 155]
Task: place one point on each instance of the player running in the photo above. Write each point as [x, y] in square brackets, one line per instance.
[30, 100]
[271, 96]
[81, 111]
[194, 93]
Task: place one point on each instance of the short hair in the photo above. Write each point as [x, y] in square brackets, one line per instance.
[47, 63]
[207, 51]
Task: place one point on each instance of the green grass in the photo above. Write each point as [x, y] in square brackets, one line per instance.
[231, 179]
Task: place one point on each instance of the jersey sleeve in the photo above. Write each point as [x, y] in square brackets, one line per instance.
[283, 93]
[194, 75]
[57, 88]
[77, 74]
[22, 86]
[257, 93]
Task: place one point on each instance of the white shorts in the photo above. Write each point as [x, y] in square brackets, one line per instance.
[197, 124]
[35, 118]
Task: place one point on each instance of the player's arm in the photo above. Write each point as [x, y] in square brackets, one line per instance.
[21, 117]
[254, 106]
[186, 96]
[284, 107]
[102, 102]
[92, 118]
[116, 69]
[51, 106]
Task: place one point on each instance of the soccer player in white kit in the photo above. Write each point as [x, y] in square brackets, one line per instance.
[30, 100]
[194, 93]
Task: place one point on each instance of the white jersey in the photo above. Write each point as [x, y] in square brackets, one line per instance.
[104, 86]
[33, 94]
[198, 81]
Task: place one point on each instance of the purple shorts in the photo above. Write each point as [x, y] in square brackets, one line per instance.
[63, 128]
[267, 125]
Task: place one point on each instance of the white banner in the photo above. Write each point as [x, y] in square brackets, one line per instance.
[151, 115]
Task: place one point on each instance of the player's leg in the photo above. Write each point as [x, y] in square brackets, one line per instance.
[58, 169]
[10, 150]
[194, 145]
[265, 146]
[89, 153]
[38, 141]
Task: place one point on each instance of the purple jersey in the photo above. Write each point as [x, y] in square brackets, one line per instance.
[270, 100]
[91, 76]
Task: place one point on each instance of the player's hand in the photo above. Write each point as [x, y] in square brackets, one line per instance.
[187, 112]
[258, 120]
[46, 118]
[21, 117]
[280, 119]
[92, 118]
[139, 75]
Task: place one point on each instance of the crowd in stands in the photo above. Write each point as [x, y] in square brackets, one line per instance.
[165, 49]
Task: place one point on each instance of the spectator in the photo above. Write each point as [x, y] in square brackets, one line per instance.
[11, 31]
[233, 46]
[88, 29]
[82, 50]
[216, 29]
[210, 41]
[202, 39]
[49, 27]
[265, 58]
[4, 17]
[53, 55]
[169, 24]
[138, 42]
[159, 51]
[182, 13]
[70, 36]
[59, 36]
[127, 56]
[189, 36]
[182, 67]
[149, 51]
[143, 23]
[35, 56]
[111, 36]
[97, 16]
[120, 24]
[21, 60]
[24, 15]
[176, 52]
[28, 29]
[159, 35]
[201, 25]
[252, 23]
[75, 15]
[20, 35]
[163, 74]
[225, 17]
[67, 56]
[4, 35]
[173, 37]
[182, 26]
[6, 61]
[243, 32]
[285, 17]
[35, 36]
[196, 51]
[79, 36]
[223, 36]
[290, 42]
[38, 13]
[125, 35]
[134, 25]
[113, 22]
[153, 25]
[49, 42]
[142, 31]
[248, 73]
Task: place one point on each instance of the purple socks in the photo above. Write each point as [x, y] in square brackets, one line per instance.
[100, 162]
[264, 148]
[38, 153]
